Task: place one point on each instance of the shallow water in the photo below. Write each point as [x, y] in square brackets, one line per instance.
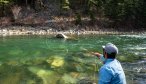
[48, 60]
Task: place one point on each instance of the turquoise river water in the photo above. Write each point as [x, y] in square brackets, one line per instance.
[48, 60]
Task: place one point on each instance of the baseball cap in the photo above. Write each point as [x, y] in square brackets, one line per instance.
[110, 48]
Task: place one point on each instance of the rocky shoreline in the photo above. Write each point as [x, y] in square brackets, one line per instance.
[16, 30]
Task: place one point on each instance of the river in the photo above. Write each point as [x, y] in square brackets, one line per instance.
[48, 60]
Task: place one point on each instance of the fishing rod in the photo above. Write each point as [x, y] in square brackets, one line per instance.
[95, 64]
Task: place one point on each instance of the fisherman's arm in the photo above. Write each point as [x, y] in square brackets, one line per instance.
[97, 54]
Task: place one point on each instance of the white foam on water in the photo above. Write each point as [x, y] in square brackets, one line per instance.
[138, 48]
[139, 53]
[135, 36]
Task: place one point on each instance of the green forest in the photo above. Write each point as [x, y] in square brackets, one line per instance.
[115, 13]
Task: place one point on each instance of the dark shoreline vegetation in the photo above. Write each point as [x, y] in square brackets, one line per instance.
[72, 15]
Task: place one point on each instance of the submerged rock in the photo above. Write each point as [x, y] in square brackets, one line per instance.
[48, 76]
[68, 79]
[56, 61]
[17, 75]
[13, 62]
[86, 81]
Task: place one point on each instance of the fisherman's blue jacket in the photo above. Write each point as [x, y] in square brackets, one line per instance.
[111, 73]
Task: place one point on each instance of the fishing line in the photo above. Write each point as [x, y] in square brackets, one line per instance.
[95, 65]
[46, 42]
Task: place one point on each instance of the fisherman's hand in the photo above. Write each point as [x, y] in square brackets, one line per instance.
[96, 54]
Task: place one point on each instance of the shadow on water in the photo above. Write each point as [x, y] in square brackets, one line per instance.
[17, 75]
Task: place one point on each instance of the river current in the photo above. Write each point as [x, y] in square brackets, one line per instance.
[49, 60]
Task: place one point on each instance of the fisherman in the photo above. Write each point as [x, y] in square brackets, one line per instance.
[111, 72]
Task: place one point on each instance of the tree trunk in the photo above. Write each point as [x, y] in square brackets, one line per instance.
[26, 2]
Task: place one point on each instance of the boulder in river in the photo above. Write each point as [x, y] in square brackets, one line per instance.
[61, 36]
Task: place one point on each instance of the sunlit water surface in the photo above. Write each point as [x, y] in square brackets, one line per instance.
[48, 60]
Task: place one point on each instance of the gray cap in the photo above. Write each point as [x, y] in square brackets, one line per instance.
[110, 48]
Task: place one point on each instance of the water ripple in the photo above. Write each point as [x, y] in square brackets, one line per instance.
[135, 36]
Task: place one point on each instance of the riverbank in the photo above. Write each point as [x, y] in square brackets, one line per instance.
[21, 30]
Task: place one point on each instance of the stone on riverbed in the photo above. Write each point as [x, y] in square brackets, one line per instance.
[48, 76]
[56, 61]
[68, 79]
